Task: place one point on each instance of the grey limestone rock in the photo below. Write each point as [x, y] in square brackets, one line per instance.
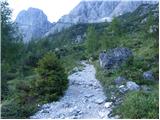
[114, 58]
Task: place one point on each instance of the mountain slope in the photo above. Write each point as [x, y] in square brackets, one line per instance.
[96, 11]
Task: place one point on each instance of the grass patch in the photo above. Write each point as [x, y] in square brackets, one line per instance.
[138, 105]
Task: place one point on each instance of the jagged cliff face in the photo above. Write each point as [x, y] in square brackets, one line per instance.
[33, 24]
[90, 11]
[128, 6]
[93, 11]
[96, 11]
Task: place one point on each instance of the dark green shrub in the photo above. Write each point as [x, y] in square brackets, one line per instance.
[83, 57]
[133, 70]
[23, 103]
[53, 79]
[137, 105]
[15, 109]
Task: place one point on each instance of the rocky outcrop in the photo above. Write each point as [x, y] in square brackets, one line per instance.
[114, 58]
[32, 23]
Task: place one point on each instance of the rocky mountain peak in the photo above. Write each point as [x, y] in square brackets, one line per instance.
[33, 23]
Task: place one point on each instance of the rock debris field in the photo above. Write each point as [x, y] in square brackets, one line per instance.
[84, 99]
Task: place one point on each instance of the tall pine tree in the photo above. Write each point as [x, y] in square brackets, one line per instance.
[11, 46]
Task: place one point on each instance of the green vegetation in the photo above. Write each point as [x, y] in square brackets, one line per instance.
[53, 79]
[91, 40]
[36, 72]
[139, 105]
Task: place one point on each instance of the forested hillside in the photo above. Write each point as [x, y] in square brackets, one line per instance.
[36, 72]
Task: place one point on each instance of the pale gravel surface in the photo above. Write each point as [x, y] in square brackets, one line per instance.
[83, 99]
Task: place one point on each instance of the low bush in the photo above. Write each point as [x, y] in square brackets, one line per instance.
[138, 105]
[23, 103]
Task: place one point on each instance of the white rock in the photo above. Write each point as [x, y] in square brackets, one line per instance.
[116, 117]
[121, 86]
[107, 104]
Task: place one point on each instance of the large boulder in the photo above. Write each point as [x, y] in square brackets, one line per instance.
[114, 57]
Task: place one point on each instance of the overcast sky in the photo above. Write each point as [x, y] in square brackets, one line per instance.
[54, 9]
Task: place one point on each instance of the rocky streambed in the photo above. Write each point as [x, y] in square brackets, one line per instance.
[83, 99]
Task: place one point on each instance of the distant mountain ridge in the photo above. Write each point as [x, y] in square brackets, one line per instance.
[96, 11]
[84, 12]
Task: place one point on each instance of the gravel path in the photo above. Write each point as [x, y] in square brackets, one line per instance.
[84, 99]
